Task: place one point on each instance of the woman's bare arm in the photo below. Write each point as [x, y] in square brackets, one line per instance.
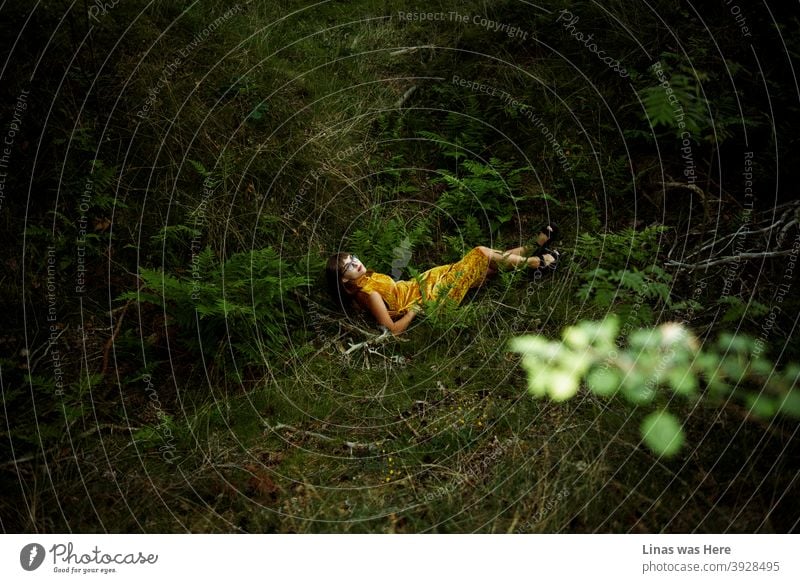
[378, 309]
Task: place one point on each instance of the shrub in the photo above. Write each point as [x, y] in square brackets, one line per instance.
[246, 300]
[653, 365]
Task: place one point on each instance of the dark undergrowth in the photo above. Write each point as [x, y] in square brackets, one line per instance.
[176, 365]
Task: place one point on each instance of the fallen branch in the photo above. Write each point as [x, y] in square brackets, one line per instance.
[411, 50]
[731, 237]
[372, 341]
[707, 264]
[350, 445]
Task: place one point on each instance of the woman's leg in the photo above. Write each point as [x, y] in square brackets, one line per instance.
[541, 239]
[517, 251]
[511, 259]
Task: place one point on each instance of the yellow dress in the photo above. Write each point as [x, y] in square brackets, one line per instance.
[455, 279]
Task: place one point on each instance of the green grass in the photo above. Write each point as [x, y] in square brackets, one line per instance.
[448, 443]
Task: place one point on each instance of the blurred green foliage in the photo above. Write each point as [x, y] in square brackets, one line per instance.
[652, 365]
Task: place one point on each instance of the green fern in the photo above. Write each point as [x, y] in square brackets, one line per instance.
[460, 133]
[103, 194]
[470, 234]
[387, 245]
[482, 190]
[619, 273]
[738, 308]
[632, 294]
[618, 250]
[246, 300]
[688, 111]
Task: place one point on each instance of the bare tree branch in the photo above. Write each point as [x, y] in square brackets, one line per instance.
[410, 50]
[352, 446]
[374, 340]
[707, 264]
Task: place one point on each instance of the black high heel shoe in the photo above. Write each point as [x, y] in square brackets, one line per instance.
[549, 230]
[543, 264]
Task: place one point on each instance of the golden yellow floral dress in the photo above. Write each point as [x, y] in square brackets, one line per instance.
[455, 279]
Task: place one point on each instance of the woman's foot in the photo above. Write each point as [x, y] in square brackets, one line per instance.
[544, 258]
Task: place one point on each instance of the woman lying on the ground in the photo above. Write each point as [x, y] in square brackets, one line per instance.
[395, 303]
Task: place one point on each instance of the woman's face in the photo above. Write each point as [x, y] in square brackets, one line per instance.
[352, 268]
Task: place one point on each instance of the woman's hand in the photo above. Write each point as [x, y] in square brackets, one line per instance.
[378, 309]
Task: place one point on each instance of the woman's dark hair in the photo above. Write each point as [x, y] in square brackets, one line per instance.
[333, 277]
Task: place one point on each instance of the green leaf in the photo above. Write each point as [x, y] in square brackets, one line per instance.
[631, 279]
[762, 405]
[525, 344]
[576, 337]
[538, 377]
[603, 381]
[201, 169]
[790, 405]
[718, 385]
[682, 382]
[607, 331]
[735, 343]
[644, 339]
[563, 385]
[637, 389]
[662, 433]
